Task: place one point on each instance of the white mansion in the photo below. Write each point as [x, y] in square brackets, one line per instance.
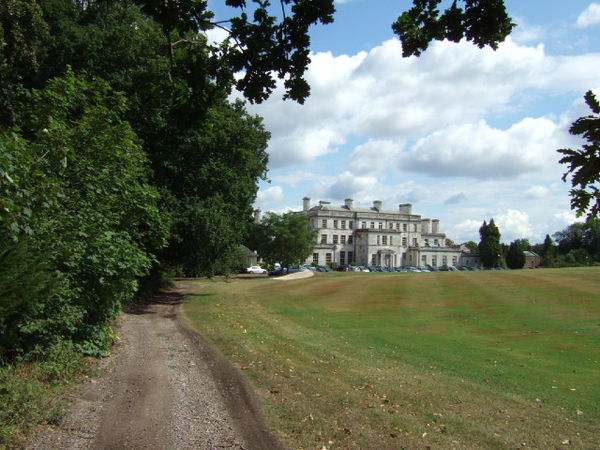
[379, 237]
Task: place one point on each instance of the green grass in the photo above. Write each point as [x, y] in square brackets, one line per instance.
[32, 392]
[463, 360]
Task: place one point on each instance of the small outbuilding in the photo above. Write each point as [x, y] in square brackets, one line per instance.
[532, 260]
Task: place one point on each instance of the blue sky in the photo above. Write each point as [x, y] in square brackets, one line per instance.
[463, 134]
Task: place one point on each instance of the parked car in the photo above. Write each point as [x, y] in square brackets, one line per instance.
[255, 269]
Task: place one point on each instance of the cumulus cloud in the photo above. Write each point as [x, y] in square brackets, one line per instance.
[269, 196]
[384, 97]
[375, 156]
[477, 150]
[347, 184]
[536, 192]
[514, 224]
[590, 16]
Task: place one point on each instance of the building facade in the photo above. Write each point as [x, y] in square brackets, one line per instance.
[378, 237]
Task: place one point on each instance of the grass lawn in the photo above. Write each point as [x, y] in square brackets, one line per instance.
[448, 360]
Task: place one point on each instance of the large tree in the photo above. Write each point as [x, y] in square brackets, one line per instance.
[548, 252]
[584, 163]
[490, 250]
[515, 258]
[286, 239]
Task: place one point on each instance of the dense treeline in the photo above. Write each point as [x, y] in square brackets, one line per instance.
[121, 160]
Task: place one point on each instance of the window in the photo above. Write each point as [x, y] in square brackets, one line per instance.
[378, 239]
[424, 259]
[316, 259]
[444, 260]
[350, 224]
[372, 224]
[342, 239]
[415, 242]
[335, 223]
[373, 259]
[323, 239]
[335, 238]
[343, 223]
[404, 227]
[434, 261]
[391, 240]
[415, 227]
[350, 239]
[454, 260]
[380, 226]
[404, 242]
[342, 258]
[384, 240]
[350, 257]
[363, 225]
[324, 223]
[328, 258]
[436, 241]
[426, 242]
[397, 227]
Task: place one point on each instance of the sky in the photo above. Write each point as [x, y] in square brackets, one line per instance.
[463, 134]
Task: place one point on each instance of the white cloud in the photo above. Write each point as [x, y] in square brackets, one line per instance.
[525, 33]
[384, 97]
[514, 224]
[374, 157]
[477, 150]
[566, 218]
[590, 16]
[269, 196]
[536, 192]
[348, 184]
[467, 230]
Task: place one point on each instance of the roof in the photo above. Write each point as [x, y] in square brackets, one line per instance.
[531, 254]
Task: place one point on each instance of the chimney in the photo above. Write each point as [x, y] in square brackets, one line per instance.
[426, 226]
[406, 208]
[305, 204]
[257, 215]
[377, 204]
[348, 203]
[435, 224]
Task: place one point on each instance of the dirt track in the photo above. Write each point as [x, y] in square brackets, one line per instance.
[163, 387]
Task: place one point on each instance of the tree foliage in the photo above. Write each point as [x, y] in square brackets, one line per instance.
[79, 217]
[120, 148]
[548, 252]
[515, 258]
[483, 22]
[270, 40]
[490, 250]
[584, 163]
[286, 239]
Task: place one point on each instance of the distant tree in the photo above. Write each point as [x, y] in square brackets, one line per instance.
[548, 252]
[286, 239]
[584, 163]
[570, 238]
[515, 258]
[490, 250]
[473, 247]
[577, 238]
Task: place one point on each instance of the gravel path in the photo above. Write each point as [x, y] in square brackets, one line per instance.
[163, 387]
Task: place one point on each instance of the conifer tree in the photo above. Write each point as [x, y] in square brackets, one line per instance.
[490, 251]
